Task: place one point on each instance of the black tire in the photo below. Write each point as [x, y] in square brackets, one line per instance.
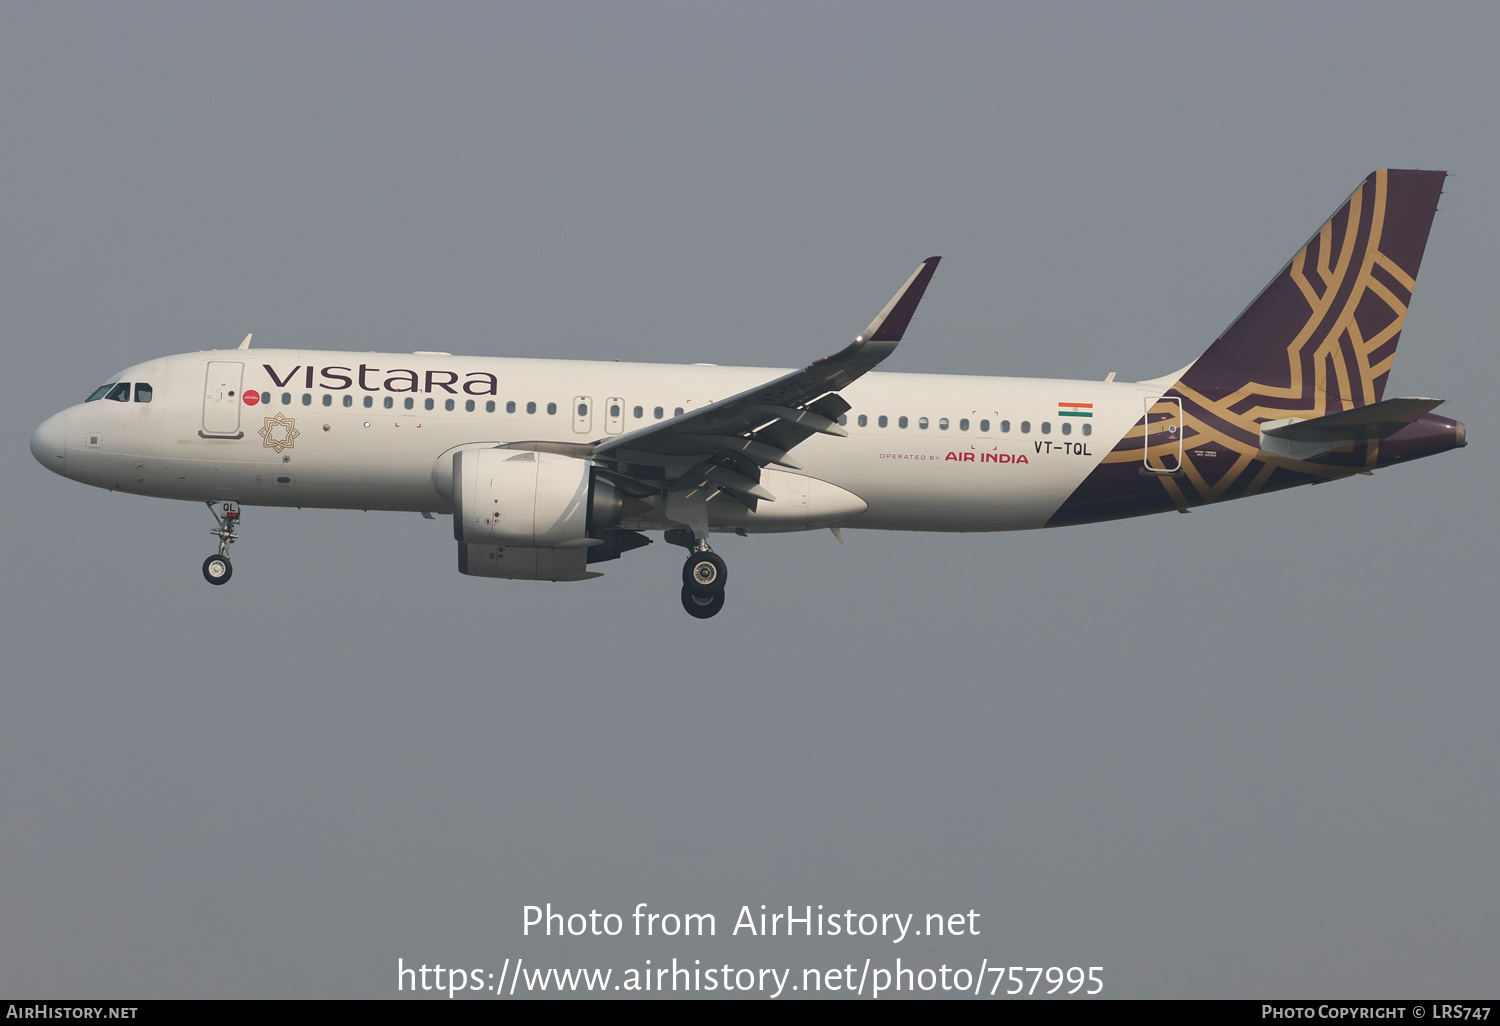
[705, 573]
[217, 569]
[702, 606]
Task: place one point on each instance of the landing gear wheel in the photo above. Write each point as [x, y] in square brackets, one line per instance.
[701, 606]
[705, 573]
[216, 569]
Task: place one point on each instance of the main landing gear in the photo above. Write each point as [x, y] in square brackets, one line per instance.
[217, 568]
[703, 579]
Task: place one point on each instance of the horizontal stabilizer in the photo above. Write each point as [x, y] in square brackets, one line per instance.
[1303, 439]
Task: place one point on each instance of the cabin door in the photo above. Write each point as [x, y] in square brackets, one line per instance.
[1163, 435]
[221, 399]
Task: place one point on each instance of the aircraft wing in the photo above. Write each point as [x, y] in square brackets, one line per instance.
[722, 446]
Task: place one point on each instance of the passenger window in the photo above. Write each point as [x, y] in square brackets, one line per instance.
[99, 392]
[510, 407]
[1046, 427]
[902, 422]
[639, 413]
[349, 400]
[531, 407]
[286, 398]
[1005, 427]
[984, 427]
[614, 409]
[306, 398]
[369, 401]
[883, 421]
[1025, 427]
[468, 406]
[121, 392]
[657, 413]
[1088, 429]
[1067, 428]
[489, 406]
[327, 399]
[922, 423]
[963, 425]
[427, 404]
[409, 403]
[943, 424]
[448, 404]
[863, 420]
[142, 392]
[583, 410]
[551, 409]
[390, 401]
[677, 412]
[843, 419]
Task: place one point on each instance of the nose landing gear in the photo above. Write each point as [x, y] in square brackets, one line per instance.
[217, 569]
[703, 578]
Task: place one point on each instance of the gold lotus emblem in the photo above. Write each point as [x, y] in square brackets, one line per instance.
[279, 432]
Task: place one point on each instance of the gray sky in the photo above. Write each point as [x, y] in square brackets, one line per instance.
[1242, 754]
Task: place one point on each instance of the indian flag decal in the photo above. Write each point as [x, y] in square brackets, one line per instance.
[1075, 409]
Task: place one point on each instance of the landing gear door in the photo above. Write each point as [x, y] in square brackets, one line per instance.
[221, 399]
[1163, 436]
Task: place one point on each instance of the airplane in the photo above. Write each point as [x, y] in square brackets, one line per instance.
[551, 467]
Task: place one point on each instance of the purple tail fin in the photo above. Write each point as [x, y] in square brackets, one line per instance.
[1322, 335]
[1318, 340]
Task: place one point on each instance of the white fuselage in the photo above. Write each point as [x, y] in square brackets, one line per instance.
[924, 452]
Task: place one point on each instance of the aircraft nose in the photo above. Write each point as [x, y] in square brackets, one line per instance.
[47, 442]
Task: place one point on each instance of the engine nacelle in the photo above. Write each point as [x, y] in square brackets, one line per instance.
[533, 515]
[509, 497]
[521, 563]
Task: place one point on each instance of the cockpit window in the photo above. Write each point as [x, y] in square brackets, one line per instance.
[120, 393]
[142, 392]
[99, 392]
